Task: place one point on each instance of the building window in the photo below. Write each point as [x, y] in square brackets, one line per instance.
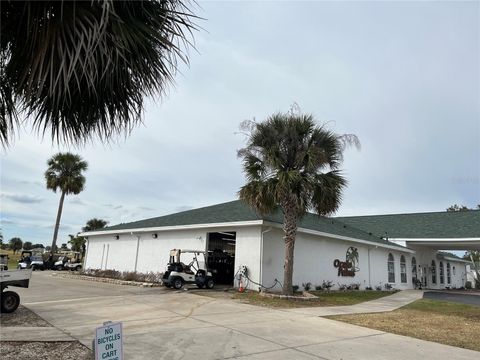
[391, 269]
[434, 272]
[442, 278]
[449, 276]
[403, 269]
[453, 270]
[414, 270]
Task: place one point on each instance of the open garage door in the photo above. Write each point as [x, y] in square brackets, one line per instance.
[221, 256]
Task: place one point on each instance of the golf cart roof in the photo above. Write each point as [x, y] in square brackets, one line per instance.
[187, 251]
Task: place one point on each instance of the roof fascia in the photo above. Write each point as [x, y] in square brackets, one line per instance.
[345, 238]
[170, 228]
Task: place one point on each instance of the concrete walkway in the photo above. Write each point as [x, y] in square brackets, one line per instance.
[387, 303]
[21, 333]
[163, 324]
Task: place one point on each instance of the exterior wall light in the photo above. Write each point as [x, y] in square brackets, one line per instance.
[155, 236]
[116, 237]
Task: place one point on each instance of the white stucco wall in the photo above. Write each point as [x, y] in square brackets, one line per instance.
[153, 253]
[314, 257]
[425, 256]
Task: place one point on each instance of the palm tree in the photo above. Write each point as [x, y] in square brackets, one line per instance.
[64, 173]
[82, 68]
[94, 224]
[292, 164]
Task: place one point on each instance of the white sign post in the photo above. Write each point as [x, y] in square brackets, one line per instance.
[109, 342]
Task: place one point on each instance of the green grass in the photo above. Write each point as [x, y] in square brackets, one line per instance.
[333, 298]
[12, 258]
[445, 308]
[432, 320]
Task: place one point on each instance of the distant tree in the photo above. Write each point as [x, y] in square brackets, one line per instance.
[293, 165]
[27, 245]
[15, 244]
[64, 247]
[77, 243]
[38, 246]
[474, 257]
[48, 248]
[456, 207]
[94, 224]
[64, 173]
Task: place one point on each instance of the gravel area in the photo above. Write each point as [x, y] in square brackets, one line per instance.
[22, 317]
[13, 350]
[44, 350]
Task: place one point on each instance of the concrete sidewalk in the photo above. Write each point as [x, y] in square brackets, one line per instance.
[387, 303]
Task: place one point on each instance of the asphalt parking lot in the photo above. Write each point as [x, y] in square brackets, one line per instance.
[161, 323]
[453, 296]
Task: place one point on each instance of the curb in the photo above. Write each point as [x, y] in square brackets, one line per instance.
[107, 280]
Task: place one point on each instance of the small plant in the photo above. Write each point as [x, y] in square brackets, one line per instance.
[378, 287]
[342, 287]
[355, 286]
[295, 288]
[388, 286]
[468, 285]
[327, 285]
[369, 288]
[318, 287]
[307, 286]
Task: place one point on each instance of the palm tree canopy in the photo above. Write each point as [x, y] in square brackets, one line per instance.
[94, 224]
[290, 160]
[64, 173]
[82, 68]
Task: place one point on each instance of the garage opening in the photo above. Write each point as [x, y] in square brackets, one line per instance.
[221, 256]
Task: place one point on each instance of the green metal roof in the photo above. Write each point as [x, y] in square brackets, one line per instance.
[434, 225]
[239, 211]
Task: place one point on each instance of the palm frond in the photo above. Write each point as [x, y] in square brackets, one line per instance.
[82, 68]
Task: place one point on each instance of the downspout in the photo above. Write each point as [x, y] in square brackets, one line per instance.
[136, 253]
[260, 280]
[369, 271]
[86, 254]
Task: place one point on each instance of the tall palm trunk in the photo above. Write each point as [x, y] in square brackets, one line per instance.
[290, 230]
[57, 223]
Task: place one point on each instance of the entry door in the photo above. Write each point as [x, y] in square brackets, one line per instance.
[424, 276]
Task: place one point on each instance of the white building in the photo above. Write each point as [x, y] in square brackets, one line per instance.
[367, 250]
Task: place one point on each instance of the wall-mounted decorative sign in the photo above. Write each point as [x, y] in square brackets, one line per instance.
[350, 265]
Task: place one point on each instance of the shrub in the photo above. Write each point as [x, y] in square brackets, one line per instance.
[307, 286]
[368, 288]
[154, 277]
[295, 288]
[342, 287]
[378, 287]
[327, 285]
[318, 287]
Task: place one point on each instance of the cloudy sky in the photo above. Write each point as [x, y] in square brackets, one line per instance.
[403, 77]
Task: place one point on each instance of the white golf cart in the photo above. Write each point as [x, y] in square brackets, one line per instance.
[69, 260]
[179, 274]
[31, 260]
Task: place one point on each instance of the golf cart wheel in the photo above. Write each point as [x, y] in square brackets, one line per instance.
[34, 267]
[59, 268]
[10, 301]
[78, 267]
[201, 286]
[177, 283]
[209, 284]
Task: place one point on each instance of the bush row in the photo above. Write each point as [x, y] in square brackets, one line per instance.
[153, 277]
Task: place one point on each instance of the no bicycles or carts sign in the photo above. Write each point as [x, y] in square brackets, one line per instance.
[109, 342]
